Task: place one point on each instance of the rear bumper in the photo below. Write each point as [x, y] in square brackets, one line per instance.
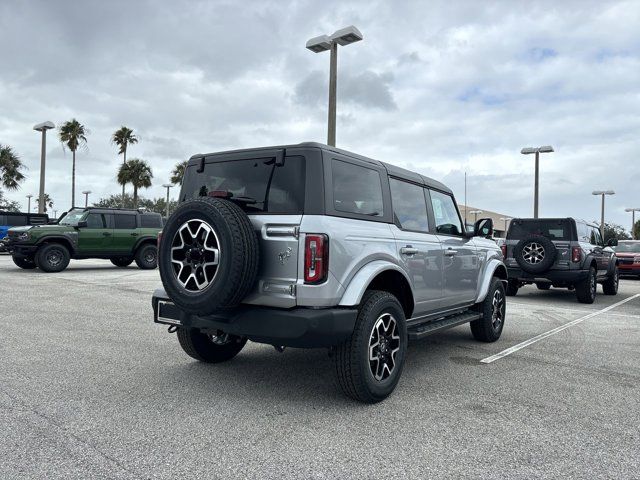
[553, 276]
[296, 327]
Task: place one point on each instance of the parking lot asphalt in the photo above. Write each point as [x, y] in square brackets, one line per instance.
[90, 387]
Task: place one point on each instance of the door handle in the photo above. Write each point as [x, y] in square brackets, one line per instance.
[408, 250]
[449, 252]
[106, 234]
[134, 234]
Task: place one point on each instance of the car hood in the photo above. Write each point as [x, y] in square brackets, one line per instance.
[40, 228]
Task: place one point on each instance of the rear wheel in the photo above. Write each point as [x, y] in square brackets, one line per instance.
[493, 309]
[122, 261]
[586, 289]
[209, 348]
[512, 288]
[610, 286]
[53, 257]
[26, 263]
[368, 365]
[543, 286]
[147, 256]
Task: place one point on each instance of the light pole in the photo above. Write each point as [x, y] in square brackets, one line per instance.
[475, 214]
[537, 151]
[505, 220]
[43, 127]
[29, 203]
[633, 220]
[167, 186]
[602, 193]
[86, 198]
[344, 36]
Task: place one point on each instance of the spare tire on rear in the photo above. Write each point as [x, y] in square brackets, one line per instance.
[535, 254]
[208, 256]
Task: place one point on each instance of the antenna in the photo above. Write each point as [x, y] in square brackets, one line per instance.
[466, 205]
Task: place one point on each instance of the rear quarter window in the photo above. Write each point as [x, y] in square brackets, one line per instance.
[356, 189]
[150, 221]
[551, 229]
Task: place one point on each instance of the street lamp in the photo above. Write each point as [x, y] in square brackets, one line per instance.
[29, 203]
[86, 198]
[167, 186]
[633, 220]
[537, 151]
[42, 127]
[602, 193]
[343, 37]
[505, 220]
[475, 214]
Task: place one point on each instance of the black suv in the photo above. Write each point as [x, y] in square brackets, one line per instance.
[560, 252]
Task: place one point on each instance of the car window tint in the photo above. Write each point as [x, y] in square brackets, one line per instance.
[584, 232]
[94, 220]
[409, 205]
[445, 214]
[150, 221]
[595, 239]
[125, 221]
[356, 189]
[17, 220]
[3, 219]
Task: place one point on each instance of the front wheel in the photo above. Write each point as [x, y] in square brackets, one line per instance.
[52, 257]
[209, 348]
[610, 285]
[368, 365]
[586, 289]
[493, 309]
[147, 257]
[122, 261]
[26, 263]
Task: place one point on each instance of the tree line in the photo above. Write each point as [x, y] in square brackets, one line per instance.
[73, 136]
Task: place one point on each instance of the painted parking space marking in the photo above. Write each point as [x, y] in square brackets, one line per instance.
[549, 333]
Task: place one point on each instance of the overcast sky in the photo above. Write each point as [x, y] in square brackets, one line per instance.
[437, 87]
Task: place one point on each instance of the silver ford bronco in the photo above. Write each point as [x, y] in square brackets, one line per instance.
[312, 246]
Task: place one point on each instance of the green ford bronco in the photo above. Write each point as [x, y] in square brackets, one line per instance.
[119, 235]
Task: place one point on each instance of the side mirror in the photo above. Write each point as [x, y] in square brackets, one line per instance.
[82, 224]
[483, 228]
[612, 242]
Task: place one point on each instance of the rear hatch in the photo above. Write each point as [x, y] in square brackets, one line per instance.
[559, 230]
[269, 186]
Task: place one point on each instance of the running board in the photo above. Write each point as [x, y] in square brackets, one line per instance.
[429, 328]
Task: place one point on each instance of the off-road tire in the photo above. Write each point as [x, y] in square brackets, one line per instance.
[201, 346]
[238, 260]
[586, 289]
[147, 256]
[610, 285]
[543, 286]
[122, 261]
[351, 359]
[512, 288]
[26, 263]
[52, 257]
[493, 308]
[545, 264]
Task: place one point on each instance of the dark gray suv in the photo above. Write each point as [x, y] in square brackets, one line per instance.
[560, 252]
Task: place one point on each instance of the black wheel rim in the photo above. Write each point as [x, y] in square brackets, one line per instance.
[54, 258]
[497, 310]
[384, 345]
[221, 339]
[150, 257]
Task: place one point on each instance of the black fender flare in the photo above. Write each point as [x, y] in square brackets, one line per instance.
[145, 239]
[67, 240]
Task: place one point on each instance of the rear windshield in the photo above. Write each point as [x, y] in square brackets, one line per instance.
[552, 229]
[628, 247]
[260, 185]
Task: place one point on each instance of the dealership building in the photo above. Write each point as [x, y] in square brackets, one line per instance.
[500, 220]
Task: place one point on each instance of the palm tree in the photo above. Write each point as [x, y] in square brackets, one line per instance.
[47, 202]
[73, 135]
[123, 137]
[178, 172]
[10, 166]
[136, 172]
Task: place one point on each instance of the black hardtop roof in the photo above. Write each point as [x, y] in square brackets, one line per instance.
[43, 215]
[555, 219]
[392, 169]
[123, 211]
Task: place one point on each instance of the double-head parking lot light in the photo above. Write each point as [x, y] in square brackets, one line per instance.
[42, 127]
[322, 43]
[537, 151]
[633, 220]
[602, 193]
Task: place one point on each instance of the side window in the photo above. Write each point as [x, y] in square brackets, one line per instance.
[356, 189]
[3, 219]
[108, 218]
[409, 205]
[445, 214]
[584, 232]
[150, 221]
[17, 220]
[125, 221]
[95, 220]
[596, 239]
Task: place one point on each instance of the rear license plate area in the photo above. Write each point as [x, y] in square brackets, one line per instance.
[167, 312]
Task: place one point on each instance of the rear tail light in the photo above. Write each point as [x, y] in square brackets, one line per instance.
[576, 254]
[316, 258]
[159, 239]
[504, 250]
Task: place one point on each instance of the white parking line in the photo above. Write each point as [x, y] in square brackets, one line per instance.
[537, 338]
